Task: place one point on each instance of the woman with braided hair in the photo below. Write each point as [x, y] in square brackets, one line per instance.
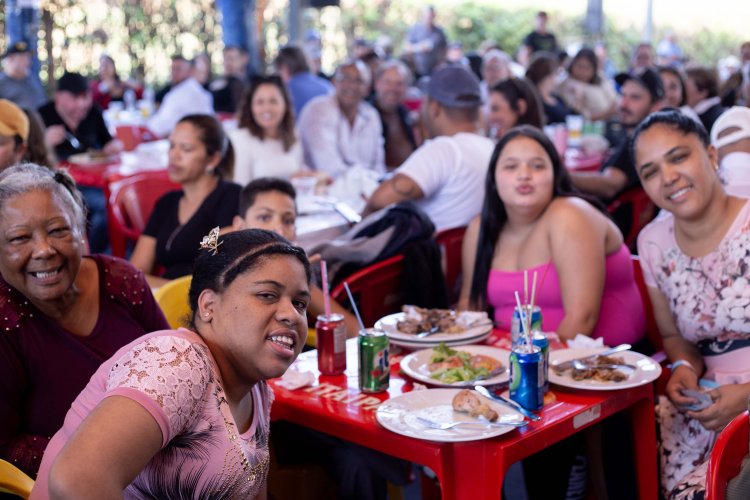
[186, 413]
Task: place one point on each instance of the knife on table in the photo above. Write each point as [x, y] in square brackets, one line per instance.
[507, 402]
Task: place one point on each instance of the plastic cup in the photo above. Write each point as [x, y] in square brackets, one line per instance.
[574, 124]
[304, 186]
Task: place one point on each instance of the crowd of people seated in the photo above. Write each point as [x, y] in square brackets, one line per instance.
[466, 139]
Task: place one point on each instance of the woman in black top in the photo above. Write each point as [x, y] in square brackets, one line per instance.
[541, 72]
[200, 157]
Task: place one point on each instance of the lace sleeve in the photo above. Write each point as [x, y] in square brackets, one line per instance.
[171, 371]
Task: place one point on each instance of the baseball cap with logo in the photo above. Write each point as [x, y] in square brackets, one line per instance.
[454, 87]
[13, 121]
[19, 47]
[647, 78]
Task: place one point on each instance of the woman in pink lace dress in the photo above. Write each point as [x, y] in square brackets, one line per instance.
[185, 413]
[695, 263]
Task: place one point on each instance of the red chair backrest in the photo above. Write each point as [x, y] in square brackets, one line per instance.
[652, 330]
[451, 241]
[730, 448]
[129, 205]
[377, 289]
[642, 210]
[132, 135]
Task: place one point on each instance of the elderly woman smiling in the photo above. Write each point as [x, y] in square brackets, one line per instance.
[61, 315]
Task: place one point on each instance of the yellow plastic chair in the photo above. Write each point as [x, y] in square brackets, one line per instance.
[14, 481]
[172, 297]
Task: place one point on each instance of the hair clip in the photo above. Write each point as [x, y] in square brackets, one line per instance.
[211, 241]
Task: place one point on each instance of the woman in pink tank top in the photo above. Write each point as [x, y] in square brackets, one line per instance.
[534, 219]
[186, 413]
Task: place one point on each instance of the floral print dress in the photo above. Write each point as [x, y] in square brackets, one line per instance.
[709, 298]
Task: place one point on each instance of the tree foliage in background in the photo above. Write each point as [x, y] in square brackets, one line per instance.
[141, 35]
[471, 24]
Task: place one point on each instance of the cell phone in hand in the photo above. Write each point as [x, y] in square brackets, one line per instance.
[703, 400]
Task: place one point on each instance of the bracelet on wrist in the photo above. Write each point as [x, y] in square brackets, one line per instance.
[682, 362]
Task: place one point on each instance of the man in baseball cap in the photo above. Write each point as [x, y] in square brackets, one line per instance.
[641, 93]
[730, 136]
[16, 83]
[444, 176]
[14, 132]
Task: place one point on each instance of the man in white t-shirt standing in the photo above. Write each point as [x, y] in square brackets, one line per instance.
[445, 176]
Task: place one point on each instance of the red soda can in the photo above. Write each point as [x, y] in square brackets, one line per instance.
[331, 344]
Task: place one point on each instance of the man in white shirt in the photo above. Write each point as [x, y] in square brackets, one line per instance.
[342, 131]
[445, 176]
[186, 98]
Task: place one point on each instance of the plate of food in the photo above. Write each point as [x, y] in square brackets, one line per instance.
[416, 413]
[92, 158]
[457, 366]
[417, 327]
[623, 370]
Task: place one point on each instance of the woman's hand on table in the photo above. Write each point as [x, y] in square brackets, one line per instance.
[729, 401]
[683, 377]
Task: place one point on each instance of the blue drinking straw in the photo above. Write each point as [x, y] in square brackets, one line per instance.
[354, 306]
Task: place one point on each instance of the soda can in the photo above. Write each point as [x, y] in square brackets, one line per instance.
[330, 341]
[374, 368]
[539, 339]
[516, 330]
[526, 366]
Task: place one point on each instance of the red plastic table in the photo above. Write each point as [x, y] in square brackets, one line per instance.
[95, 175]
[577, 160]
[334, 405]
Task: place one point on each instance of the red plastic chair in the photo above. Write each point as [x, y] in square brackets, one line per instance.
[730, 448]
[652, 330]
[129, 205]
[642, 210]
[377, 289]
[451, 241]
[132, 135]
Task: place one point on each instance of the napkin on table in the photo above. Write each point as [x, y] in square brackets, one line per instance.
[295, 379]
[584, 342]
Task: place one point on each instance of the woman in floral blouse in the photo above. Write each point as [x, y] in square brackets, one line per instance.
[695, 262]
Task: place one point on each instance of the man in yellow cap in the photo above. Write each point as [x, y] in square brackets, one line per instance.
[14, 132]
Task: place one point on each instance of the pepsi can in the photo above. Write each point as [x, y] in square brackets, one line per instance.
[540, 340]
[526, 377]
[516, 329]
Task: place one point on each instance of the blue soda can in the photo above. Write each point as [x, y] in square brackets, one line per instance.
[540, 340]
[526, 377]
[516, 330]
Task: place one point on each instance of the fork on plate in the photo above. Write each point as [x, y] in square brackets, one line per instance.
[482, 422]
[580, 365]
[434, 329]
